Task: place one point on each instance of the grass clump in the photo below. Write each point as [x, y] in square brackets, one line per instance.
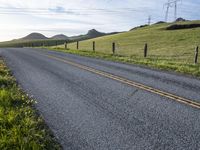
[20, 125]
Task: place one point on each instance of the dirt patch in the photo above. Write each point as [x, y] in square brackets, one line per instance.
[182, 26]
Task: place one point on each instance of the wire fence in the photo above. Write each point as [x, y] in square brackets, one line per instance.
[175, 52]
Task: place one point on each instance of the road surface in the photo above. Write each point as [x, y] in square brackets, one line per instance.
[92, 104]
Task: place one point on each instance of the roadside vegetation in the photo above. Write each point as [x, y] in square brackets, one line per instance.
[162, 43]
[167, 49]
[20, 125]
[31, 43]
[162, 64]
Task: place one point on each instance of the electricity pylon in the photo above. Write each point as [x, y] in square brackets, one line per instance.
[169, 4]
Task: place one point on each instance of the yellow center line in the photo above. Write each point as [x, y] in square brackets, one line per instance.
[129, 82]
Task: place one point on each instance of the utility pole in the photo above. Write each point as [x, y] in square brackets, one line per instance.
[149, 20]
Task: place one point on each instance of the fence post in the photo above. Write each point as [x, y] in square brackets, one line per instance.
[113, 47]
[145, 50]
[65, 45]
[196, 55]
[77, 45]
[93, 46]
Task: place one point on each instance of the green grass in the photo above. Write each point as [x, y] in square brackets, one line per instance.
[177, 45]
[167, 49]
[31, 43]
[163, 64]
[20, 125]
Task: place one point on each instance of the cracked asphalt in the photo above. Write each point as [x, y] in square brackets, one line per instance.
[87, 111]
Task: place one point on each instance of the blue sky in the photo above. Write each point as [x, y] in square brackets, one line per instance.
[73, 17]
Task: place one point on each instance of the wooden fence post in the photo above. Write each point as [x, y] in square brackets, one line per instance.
[113, 47]
[145, 50]
[65, 45]
[196, 55]
[77, 45]
[93, 43]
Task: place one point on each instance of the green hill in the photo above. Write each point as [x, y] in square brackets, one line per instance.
[171, 46]
[38, 39]
[90, 34]
[162, 42]
[31, 43]
[60, 37]
[34, 40]
[34, 36]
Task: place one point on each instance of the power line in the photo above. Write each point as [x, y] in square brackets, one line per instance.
[71, 11]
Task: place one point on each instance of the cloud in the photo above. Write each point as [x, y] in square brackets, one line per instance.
[58, 9]
[77, 16]
[62, 10]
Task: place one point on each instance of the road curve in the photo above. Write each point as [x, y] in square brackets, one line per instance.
[88, 107]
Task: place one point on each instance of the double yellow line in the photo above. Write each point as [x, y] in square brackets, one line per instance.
[129, 82]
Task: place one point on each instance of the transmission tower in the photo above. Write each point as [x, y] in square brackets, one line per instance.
[169, 4]
[175, 11]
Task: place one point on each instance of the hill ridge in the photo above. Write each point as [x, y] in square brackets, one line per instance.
[34, 36]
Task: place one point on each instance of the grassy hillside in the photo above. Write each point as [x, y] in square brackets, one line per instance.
[31, 43]
[38, 39]
[163, 44]
[167, 49]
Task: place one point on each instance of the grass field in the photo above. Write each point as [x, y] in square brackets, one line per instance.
[20, 126]
[175, 45]
[31, 43]
[162, 64]
[167, 49]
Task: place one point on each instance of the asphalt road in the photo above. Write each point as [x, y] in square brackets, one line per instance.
[90, 111]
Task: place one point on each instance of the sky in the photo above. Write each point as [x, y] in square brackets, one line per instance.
[73, 17]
